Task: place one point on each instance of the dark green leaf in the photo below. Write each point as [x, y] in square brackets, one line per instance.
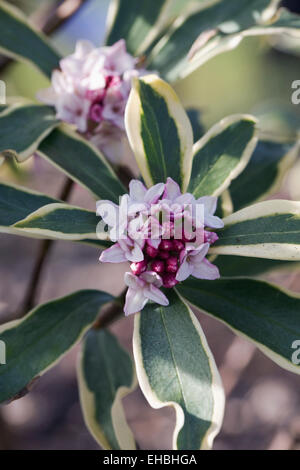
[231, 266]
[36, 342]
[82, 162]
[21, 41]
[23, 127]
[269, 229]
[262, 312]
[263, 174]
[106, 374]
[221, 154]
[175, 367]
[133, 21]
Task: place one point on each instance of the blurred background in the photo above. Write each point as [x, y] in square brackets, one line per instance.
[263, 401]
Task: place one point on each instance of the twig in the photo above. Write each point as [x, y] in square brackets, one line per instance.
[43, 254]
[111, 313]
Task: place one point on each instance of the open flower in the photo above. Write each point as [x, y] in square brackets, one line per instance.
[159, 231]
[91, 90]
[193, 263]
[141, 289]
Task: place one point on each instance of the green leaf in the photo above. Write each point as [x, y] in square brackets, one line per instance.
[222, 154]
[82, 162]
[28, 213]
[213, 29]
[38, 341]
[285, 22]
[19, 40]
[159, 132]
[176, 368]
[231, 266]
[23, 127]
[106, 375]
[261, 312]
[62, 222]
[136, 22]
[267, 168]
[16, 203]
[269, 229]
[194, 116]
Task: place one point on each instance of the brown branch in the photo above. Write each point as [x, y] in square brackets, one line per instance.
[112, 312]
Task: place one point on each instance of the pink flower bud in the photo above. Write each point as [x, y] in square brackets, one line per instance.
[169, 280]
[158, 266]
[166, 245]
[138, 268]
[163, 254]
[178, 245]
[172, 264]
[151, 251]
[210, 237]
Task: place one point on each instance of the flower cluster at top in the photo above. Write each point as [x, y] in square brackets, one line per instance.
[163, 234]
[91, 90]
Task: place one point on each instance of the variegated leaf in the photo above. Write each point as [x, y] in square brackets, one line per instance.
[268, 166]
[159, 132]
[23, 127]
[28, 213]
[19, 40]
[269, 229]
[176, 368]
[106, 375]
[82, 162]
[214, 28]
[239, 266]
[38, 341]
[263, 313]
[222, 154]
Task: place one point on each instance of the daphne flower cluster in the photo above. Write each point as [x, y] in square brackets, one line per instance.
[91, 90]
[165, 235]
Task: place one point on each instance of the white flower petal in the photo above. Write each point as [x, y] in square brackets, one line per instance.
[135, 301]
[114, 254]
[184, 271]
[156, 295]
[186, 198]
[151, 277]
[209, 203]
[213, 221]
[206, 270]
[172, 190]
[154, 193]
[197, 255]
[135, 254]
[109, 211]
[137, 190]
[133, 281]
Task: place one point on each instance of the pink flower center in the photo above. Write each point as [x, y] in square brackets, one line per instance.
[166, 259]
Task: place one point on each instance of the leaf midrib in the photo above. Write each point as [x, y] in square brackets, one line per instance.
[242, 306]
